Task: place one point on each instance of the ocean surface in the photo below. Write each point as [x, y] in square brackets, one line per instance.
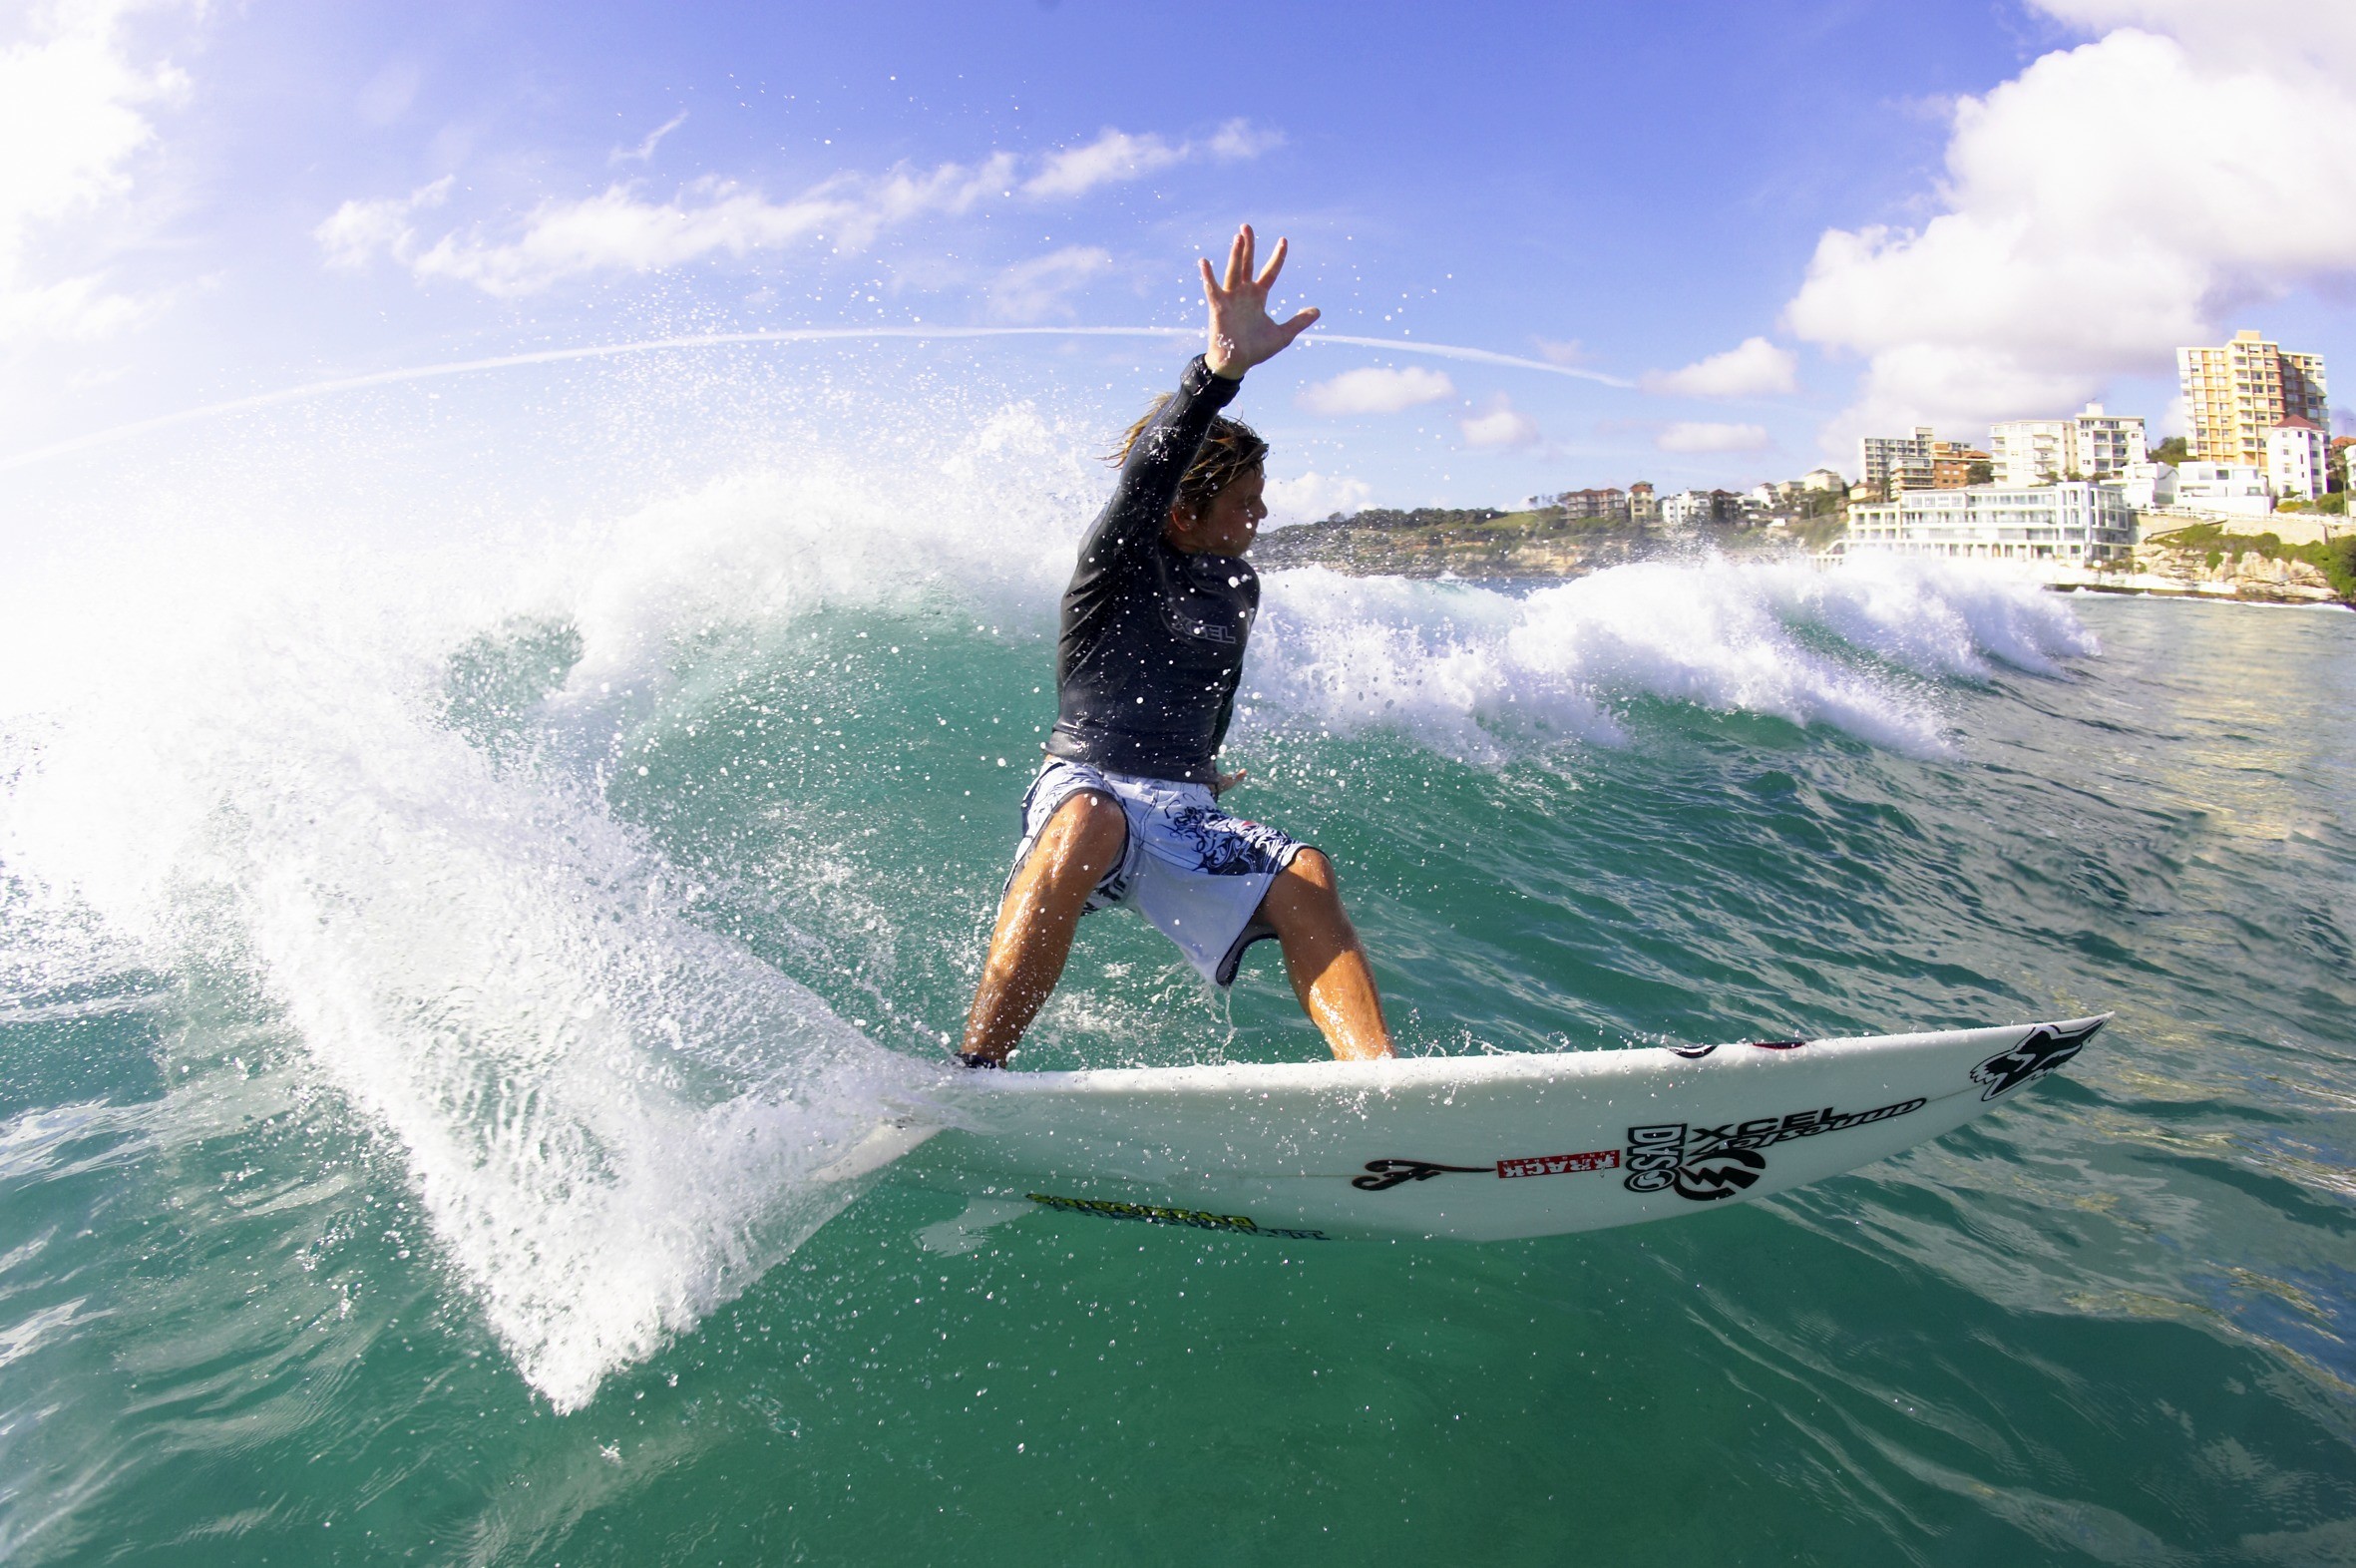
[436, 963]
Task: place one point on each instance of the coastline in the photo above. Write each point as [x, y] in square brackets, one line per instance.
[1494, 547]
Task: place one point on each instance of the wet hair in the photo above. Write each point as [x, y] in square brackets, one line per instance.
[1231, 449]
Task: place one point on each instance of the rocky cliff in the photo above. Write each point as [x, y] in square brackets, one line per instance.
[2230, 568]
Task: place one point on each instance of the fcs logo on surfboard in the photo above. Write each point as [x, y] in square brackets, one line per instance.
[2043, 1049]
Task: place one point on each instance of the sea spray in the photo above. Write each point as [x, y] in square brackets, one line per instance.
[613, 1117]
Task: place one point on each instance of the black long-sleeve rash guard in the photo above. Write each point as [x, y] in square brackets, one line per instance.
[1153, 644]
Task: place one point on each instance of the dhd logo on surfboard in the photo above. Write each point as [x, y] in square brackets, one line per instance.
[1657, 1158]
[1703, 1163]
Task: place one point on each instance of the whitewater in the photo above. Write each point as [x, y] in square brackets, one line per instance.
[494, 887]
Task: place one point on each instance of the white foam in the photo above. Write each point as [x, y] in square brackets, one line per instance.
[1482, 675]
[615, 1118]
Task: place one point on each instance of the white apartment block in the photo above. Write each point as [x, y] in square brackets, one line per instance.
[2109, 443]
[2299, 460]
[2148, 485]
[2073, 523]
[2092, 444]
[2236, 393]
[2033, 451]
[1686, 509]
[1884, 460]
[2224, 490]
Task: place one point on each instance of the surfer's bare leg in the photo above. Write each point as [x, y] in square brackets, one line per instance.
[1080, 843]
[1323, 959]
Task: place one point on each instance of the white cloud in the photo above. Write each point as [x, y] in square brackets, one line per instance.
[357, 230]
[2111, 202]
[644, 151]
[1308, 496]
[70, 128]
[2245, 31]
[623, 230]
[1703, 436]
[1373, 390]
[1040, 289]
[1499, 426]
[1754, 368]
[1240, 139]
[1117, 156]
[620, 230]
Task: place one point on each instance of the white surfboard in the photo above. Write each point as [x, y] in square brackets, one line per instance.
[1477, 1149]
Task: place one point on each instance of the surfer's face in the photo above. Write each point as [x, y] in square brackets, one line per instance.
[1228, 526]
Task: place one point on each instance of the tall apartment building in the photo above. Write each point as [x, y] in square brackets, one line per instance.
[1884, 462]
[2092, 445]
[2238, 393]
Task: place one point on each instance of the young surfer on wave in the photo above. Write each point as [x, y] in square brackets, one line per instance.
[1125, 810]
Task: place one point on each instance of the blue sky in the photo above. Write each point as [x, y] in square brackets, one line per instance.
[1775, 223]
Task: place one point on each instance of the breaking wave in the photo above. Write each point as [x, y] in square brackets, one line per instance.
[259, 746]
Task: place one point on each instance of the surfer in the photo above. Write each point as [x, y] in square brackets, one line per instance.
[1125, 810]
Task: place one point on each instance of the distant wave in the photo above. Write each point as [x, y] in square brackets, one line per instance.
[1481, 674]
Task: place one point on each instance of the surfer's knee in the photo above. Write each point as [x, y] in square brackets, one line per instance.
[1312, 866]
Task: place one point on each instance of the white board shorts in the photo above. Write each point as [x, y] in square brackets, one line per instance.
[1194, 872]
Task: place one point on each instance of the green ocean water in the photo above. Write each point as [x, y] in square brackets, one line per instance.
[425, 1005]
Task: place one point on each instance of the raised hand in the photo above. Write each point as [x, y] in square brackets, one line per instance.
[1242, 333]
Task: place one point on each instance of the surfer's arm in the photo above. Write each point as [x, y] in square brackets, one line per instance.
[1158, 460]
[1240, 334]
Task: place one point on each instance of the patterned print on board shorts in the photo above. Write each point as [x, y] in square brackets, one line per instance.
[1194, 872]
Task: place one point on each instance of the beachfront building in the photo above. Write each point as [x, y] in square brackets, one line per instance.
[2297, 460]
[2107, 444]
[2231, 490]
[1825, 479]
[1643, 505]
[1690, 508]
[2073, 523]
[2033, 451]
[1885, 460]
[1955, 465]
[2236, 393]
[1611, 504]
[2091, 444]
[2148, 485]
